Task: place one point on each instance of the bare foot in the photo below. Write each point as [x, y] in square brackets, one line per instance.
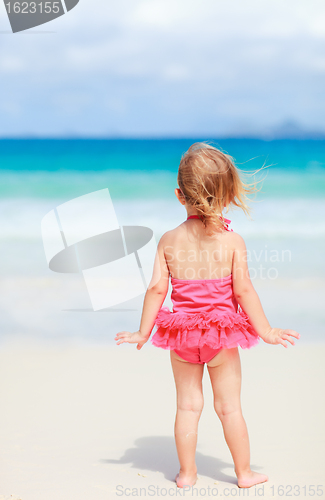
[251, 478]
[185, 479]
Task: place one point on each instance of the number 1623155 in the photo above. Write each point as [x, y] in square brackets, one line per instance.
[33, 7]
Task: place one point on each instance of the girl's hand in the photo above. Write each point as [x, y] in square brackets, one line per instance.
[131, 338]
[278, 336]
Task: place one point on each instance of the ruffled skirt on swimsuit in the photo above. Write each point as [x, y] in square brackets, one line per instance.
[215, 329]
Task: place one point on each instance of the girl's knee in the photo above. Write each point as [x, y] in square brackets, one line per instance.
[194, 404]
[224, 408]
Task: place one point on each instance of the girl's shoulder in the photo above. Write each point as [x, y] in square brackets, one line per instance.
[171, 237]
[235, 240]
[167, 237]
[229, 238]
[173, 233]
[233, 236]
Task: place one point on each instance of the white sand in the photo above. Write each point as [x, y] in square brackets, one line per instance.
[77, 421]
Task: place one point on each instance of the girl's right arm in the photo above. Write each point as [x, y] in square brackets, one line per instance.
[249, 301]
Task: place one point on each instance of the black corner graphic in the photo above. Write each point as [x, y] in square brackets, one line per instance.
[24, 15]
[70, 4]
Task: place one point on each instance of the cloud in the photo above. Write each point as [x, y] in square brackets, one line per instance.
[160, 67]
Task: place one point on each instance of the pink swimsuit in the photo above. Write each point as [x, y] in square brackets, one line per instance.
[205, 319]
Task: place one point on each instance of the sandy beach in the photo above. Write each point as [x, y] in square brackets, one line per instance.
[88, 422]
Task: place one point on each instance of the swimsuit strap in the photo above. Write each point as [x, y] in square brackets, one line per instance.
[225, 221]
[193, 217]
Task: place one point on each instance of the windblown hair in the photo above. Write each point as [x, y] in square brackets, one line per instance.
[210, 181]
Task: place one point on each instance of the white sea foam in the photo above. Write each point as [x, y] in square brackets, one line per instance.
[272, 218]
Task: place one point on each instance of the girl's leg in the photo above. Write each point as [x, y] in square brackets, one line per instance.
[188, 380]
[225, 374]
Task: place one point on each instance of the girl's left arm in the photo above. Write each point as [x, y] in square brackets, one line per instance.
[153, 300]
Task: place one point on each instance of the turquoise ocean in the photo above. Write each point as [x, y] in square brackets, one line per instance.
[285, 236]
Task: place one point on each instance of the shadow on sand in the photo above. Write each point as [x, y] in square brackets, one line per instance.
[158, 454]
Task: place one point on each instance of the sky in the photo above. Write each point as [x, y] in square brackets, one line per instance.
[166, 68]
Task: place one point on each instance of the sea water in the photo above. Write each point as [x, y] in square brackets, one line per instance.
[285, 236]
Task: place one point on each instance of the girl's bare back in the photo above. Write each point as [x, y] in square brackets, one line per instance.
[192, 254]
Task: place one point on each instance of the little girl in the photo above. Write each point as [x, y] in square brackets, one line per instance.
[215, 307]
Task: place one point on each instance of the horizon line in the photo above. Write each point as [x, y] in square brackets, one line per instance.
[266, 138]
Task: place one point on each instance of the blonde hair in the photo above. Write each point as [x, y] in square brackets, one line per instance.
[210, 181]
